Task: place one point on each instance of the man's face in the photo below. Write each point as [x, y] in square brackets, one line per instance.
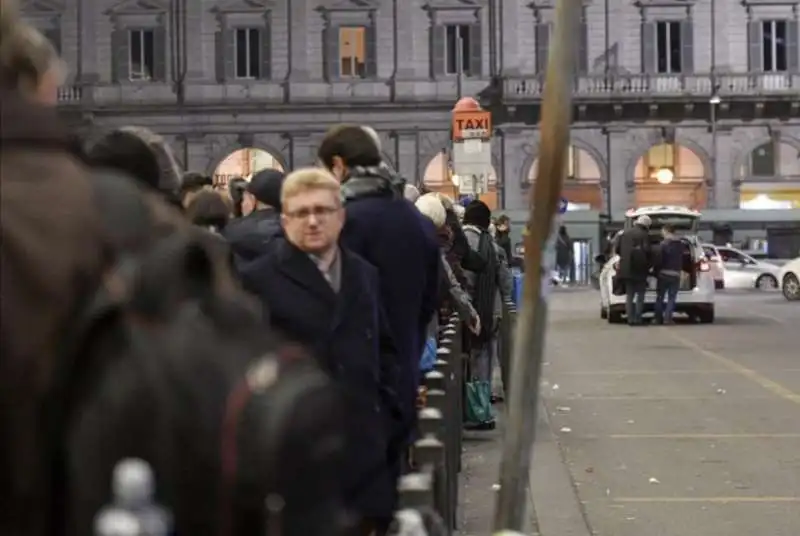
[248, 203]
[312, 220]
[502, 227]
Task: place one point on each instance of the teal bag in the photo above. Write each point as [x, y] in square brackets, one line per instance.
[478, 408]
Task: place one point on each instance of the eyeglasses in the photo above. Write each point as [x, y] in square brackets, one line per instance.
[319, 212]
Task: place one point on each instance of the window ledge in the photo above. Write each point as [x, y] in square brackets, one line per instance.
[550, 4]
[433, 5]
[770, 2]
[244, 6]
[349, 5]
[665, 3]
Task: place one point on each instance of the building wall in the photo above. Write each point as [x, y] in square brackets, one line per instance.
[219, 117]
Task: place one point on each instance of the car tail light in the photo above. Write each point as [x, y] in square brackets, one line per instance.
[703, 266]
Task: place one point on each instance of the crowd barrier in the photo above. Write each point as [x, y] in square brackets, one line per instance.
[437, 452]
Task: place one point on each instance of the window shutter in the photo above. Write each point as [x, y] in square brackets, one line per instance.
[54, 36]
[793, 46]
[542, 47]
[371, 48]
[121, 57]
[649, 47]
[475, 51]
[225, 50]
[266, 51]
[582, 63]
[755, 53]
[332, 58]
[160, 54]
[687, 46]
[438, 50]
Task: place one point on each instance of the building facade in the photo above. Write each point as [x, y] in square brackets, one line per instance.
[694, 102]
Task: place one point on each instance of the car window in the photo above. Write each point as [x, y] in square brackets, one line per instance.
[709, 252]
[729, 255]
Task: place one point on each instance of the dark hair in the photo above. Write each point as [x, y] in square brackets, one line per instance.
[503, 219]
[209, 209]
[352, 144]
[236, 188]
[126, 152]
[193, 181]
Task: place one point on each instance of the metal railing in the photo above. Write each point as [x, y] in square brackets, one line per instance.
[642, 84]
[437, 452]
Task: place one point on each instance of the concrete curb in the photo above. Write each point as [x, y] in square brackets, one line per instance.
[557, 507]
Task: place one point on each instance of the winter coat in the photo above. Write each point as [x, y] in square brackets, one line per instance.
[635, 256]
[249, 235]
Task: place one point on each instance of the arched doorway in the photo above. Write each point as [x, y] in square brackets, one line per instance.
[670, 174]
[244, 163]
[582, 185]
[771, 177]
[438, 177]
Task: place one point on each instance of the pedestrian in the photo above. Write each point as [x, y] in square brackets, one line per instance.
[564, 255]
[52, 254]
[260, 221]
[209, 210]
[390, 233]
[489, 289]
[503, 236]
[667, 267]
[319, 293]
[192, 184]
[635, 263]
[236, 190]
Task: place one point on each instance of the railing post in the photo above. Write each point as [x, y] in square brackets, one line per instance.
[430, 455]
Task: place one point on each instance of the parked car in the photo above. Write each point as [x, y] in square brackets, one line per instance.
[743, 271]
[696, 295]
[789, 278]
[715, 265]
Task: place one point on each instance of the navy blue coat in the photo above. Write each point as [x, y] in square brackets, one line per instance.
[348, 334]
[401, 243]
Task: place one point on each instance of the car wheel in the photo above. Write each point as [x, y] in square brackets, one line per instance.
[791, 287]
[706, 316]
[766, 282]
[603, 313]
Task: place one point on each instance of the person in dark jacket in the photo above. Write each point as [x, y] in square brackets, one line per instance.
[260, 223]
[502, 235]
[634, 266]
[192, 184]
[668, 270]
[564, 255]
[320, 294]
[389, 232]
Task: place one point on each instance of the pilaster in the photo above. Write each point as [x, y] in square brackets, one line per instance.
[299, 14]
[725, 190]
[620, 185]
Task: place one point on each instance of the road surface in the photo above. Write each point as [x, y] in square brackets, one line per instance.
[686, 430]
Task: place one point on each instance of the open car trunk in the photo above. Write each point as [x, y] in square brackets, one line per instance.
[689, 263]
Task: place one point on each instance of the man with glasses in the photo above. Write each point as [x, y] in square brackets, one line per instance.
[317, 293]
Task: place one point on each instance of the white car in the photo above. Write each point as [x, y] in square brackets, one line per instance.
[715, 265]
[789, 278]
[696, 296]
[741, 270]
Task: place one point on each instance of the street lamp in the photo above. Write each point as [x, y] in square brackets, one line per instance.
[664, 175]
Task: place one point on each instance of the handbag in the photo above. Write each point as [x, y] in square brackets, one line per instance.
[478, 409]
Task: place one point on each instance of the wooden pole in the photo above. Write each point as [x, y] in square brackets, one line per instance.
[556, 115]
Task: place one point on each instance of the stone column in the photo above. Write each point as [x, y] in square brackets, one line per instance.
[196, 49]
[516, 155]
[726, 196]
[405, 152]
[302, 150]
[412, 31]
[619, 184]
[299, 15]
[88, 43]
[508, 49]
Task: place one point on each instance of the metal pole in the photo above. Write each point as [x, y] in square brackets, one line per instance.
[519, 433]
[714, 139]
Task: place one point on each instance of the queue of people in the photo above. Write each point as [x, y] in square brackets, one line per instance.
[257, 346]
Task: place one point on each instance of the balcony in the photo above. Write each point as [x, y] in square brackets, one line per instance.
[637, 85]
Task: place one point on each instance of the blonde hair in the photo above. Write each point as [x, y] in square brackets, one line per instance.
[26, 55]
[308, 179]
[430, 207]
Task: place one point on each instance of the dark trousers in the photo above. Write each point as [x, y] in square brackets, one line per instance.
[668, 287]
[634, 300]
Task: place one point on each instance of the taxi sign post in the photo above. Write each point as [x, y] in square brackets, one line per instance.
[512, 512]
[472, 148]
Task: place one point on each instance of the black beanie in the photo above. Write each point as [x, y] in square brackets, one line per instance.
[266, 187]
[478, 214]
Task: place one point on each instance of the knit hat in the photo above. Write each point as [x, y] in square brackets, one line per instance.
[266, 187]
[478, 214]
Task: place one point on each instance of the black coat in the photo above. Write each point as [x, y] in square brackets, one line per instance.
[249, 235]
[348, 333]
[635, 256]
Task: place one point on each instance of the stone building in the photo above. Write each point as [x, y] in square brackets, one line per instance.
[693, 102]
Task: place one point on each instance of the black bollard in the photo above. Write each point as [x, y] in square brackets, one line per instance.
[415, 490]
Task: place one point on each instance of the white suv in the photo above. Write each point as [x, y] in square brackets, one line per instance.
[696, 296]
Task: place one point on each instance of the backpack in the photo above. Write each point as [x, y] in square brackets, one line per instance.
[168, 364]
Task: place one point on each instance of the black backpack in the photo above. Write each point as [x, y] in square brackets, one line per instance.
[165, 364]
